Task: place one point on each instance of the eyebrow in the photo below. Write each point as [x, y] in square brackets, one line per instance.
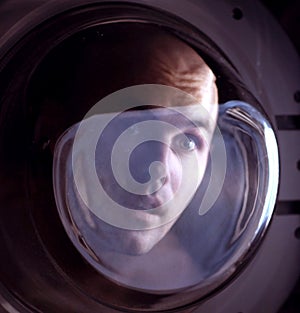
[202, 123]
[180, 117]
[205, 123]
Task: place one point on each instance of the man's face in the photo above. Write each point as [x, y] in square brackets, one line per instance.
[154, 172]
[159, 176]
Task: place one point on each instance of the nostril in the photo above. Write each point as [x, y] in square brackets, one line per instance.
[157, 171]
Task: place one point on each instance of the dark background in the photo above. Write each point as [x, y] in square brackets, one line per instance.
[288, 15]
[287, 12]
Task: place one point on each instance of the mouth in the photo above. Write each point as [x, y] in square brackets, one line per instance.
[144, 203]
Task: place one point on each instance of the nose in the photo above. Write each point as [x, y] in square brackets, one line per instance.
[150, 163]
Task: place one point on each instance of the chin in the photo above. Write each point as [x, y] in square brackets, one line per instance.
[137, 242]
[141, 242]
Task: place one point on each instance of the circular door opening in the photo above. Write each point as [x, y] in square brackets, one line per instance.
[97, 56]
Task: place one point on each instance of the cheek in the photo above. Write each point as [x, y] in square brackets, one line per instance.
[202, 157]
[176, 165]
[195, 172]
[174, 170]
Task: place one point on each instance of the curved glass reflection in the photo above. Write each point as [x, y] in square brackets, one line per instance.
[203, 248]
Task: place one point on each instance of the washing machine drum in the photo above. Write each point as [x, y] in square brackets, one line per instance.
[139, 170]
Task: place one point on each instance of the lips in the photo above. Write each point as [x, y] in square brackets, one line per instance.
[147, 204]
[143, 203]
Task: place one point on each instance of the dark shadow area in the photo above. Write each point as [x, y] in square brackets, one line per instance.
[288, 15]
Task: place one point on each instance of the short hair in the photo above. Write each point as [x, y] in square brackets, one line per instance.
[99, 61]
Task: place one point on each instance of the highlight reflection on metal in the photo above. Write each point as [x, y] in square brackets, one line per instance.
[265, 163]
[210, 246]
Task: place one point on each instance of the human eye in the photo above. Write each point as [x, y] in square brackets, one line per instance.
[188, 142]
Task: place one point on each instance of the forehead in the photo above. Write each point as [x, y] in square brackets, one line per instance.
[181, 117]
[147, 56]
[152, 102]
